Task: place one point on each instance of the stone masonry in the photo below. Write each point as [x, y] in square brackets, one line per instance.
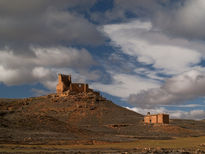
[156, 119]
[65, 84]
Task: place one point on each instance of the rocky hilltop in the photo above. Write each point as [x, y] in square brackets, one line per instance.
[80, 118]
[77, 114]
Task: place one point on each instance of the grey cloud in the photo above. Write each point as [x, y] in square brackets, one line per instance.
[23, 8]
[186, 21]
[193, 114]
[45, 23]
[135, 39]
[175, 90]
[49, 57]
[143, 9]
[183, 18]
[44, 67]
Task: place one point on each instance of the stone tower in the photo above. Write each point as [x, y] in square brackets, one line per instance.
[64, 82]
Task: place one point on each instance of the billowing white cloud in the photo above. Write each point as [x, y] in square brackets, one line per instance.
[7, 75]
[176, 57]
[34, 40]
[182, 18]
[140, 40]
[175, 90]
[44, 66]
[40, 72]
[123, 85]
[167, 55]
[62, 57]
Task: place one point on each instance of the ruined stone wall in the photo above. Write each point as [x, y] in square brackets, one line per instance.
[154, 119]
[147, 119]
[151, 119]
[65, 86]
[163, 118]
[160, 118]
[64, 82]
[157, 119]
[79, 87]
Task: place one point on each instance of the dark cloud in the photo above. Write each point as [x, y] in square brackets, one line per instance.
[22, 8]
[182, 18]
[185, 21]
[175, 90]
[143, 9]
[45, 23]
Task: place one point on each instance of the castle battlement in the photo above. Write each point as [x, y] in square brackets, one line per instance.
[65, 84]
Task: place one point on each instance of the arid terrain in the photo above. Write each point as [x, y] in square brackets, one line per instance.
[87, 122]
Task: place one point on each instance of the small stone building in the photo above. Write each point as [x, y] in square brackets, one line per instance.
[65, 84]
[156, 118]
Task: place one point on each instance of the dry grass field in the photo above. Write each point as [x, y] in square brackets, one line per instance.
[191, 144]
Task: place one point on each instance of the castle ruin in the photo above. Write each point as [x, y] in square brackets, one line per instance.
[65, 85]
[156, 118]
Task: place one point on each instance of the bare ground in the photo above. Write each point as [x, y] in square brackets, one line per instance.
[87, 122]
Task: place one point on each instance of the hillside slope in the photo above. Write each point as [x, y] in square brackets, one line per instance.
[79, 118]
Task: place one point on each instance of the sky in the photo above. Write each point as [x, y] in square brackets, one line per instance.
[145, 55]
